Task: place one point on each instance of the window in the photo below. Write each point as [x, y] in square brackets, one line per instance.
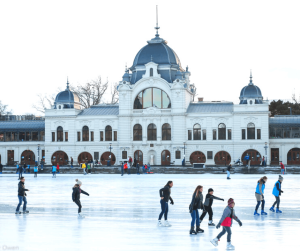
[204, 134]
[222, 131]
[60, 134]
[151, 132]
[115, 135]
[101, 136]
[151, 72]
[22, 136]
[85, 133]
[8, 136]
[209, 154]
[287, 132]
[66, 136]
[92, 136]
[243, 133]
[177, 154]
[166, 132]
[214, 134]
[96, 155]
[42, 135]
[108, 133]
[78, 136]
[197, 132]
[35, 136]
[189, 134]
[28, 136]
[137, 132]
[124, 155]
[53, 136]
[250, 131]
[258, 134]
[152, 97]
[1, 136]
[14, 136]
[229, 134]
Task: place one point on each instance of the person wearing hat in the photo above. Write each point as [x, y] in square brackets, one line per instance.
[226, 223]
[208, 207]
[277, 192]
[76, 196]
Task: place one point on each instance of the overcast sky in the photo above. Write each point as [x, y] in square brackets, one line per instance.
[43, 42]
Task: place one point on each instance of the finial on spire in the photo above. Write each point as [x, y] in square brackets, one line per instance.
[250, 77]
[157, 35]
[67, 83]
[187, 68]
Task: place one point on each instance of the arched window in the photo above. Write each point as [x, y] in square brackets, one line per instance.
[250, 131]
[166, 132]
[197, 132]
[85, 133]
[151, 72]
[60, 133]
[222, 131]
[151, 132]
[108, 133]
[137, 132]
[152, 97]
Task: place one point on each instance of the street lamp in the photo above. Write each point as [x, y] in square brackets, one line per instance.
[183, 154]
[266, 147]
[38, 154]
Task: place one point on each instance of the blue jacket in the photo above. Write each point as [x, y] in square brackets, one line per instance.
[36, 169]
[247, 157]
[262, 188]
[275, 190]
[53, 169]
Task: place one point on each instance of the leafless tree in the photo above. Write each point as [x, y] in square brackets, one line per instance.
[3, 109]
[44, 102]
[114, 94]
[91, 93]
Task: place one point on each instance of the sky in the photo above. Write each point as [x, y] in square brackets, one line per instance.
[44, 42]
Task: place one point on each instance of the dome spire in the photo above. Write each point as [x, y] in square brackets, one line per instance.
[157, 35]
[250, 78]
[67, 83]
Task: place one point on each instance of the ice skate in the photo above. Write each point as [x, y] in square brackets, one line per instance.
[199, 230]
[167, 224]
[272, 209]
[159, 224]
[25, 212]
[230, 246]
[263, 212]
[192, 231]
[278, 211]
[256, 213]
[80, 215]
[211, 224]
[17, 212]
[215, 242]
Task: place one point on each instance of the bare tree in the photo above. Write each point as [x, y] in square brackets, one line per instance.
[3, 109]
[91, 93]
[114, 94]
[44, 102]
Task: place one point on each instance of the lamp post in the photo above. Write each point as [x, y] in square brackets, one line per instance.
[290, 110]
[183, 163]
[109, 158]
[266, 148]
[38, 154]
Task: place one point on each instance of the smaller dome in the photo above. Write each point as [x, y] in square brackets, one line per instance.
[126, 76]
[251, 91]
[66, 99]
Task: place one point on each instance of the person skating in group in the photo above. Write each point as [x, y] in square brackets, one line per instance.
[57, 168]
[277, 192]
[196, 204]
[53, 171]
[226, 223]
[259, 195]
[20, 170]
[165, 196]
[228, 171]
[137, 168]
[22, 196]
[281, 168]
[125, 167]
[76, 196]
[208, 207]
[1, 167]
[35, 170]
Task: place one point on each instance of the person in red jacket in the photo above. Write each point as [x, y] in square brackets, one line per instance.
[125, 167]
[57, 168]
[282, 168]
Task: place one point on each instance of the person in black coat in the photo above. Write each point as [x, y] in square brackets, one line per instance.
[165, 196]
[207, 206]
[76, 195]
[196, 204]
[22, 196]
[20, 170]
[1, 167]
[137, 168]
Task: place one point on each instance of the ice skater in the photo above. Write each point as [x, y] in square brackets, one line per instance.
[196, 204]
[226, 223]
[20, 170]
[53, 171]
[122, 169]
[228, 171]
[137, 168]
[277, 192]
[22, 196]
[1, 167]
[165, 196]
[259, 195]
[208, 207]
[76, 196]
[35, 170]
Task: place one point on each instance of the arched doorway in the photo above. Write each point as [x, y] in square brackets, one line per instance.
[105, 158]
[222, 158]
[255, 157]
[60, 158]
[84, 157]
[28, 157]
[138, 155]
[293, 156]
[197, 157]
[165, 158]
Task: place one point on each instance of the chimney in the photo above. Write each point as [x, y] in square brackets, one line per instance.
[200, 99]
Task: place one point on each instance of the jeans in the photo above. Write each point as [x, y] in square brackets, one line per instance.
[122, 170]
[137, 170]
[207, 210]
[54, 174]
[35, 174]
[225, 229]
[20, 174]
[195, 217]
[164, 210]
[228, 174]
[21, 199]
[276, 202]
[78, 203]
[262, 205]
[282, 171]
[42, 166]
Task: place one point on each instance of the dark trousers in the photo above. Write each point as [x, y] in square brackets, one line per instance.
[20, 174]
[276, 202]
[262, 205]
[78, 203]
[21, 199]
[122, 170]
[137, 170]
[207, 210]
[54, 174]
[164, 210]
[225, 229]
[35, 174]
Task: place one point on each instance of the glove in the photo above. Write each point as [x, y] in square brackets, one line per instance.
[218, 226]
[172, 202]
[240, 223]
[282, 191]
[223, 199]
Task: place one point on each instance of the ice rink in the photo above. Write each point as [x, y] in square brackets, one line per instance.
[121, 213]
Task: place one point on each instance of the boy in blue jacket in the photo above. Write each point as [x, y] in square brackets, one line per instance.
[277, 192]
[35, 170]
[54, 171]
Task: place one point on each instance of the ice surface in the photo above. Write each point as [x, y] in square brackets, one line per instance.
[122, 213]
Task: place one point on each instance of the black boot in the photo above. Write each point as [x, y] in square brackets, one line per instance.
[192, 231]
[199, 230]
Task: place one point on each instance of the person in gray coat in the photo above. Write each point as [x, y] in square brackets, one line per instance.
[196, 204]
[226, 223]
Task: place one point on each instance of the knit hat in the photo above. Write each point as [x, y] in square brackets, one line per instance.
[210, 190]
[280, 178]
[78, 182]
[230, 201]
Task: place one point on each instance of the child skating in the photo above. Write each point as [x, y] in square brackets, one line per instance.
[277, 192]
[259, 195]
[76, 196]
[53, 171]
[35, 170]
[22, 196]
[226, 223]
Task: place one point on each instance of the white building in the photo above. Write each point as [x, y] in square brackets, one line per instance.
[156, 116]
